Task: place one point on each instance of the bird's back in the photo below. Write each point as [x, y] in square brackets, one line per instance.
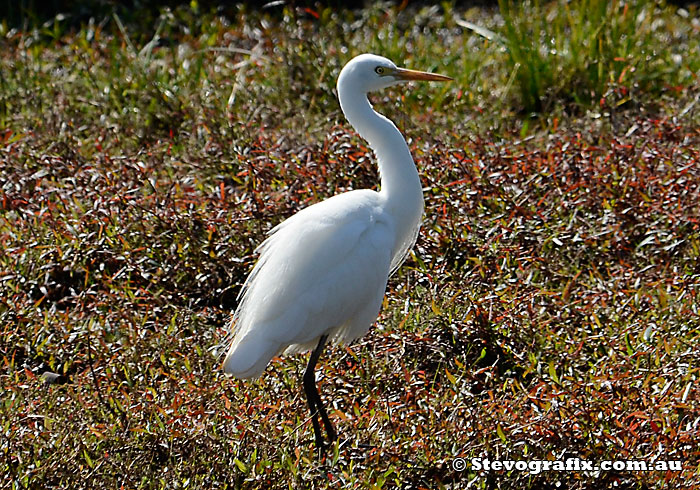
[322, 271]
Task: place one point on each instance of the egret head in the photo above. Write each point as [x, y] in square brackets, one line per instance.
[369, 72]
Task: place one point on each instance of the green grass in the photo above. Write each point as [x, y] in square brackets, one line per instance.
[584, 52]
[550, 308]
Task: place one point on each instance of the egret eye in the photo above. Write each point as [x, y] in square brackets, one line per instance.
[379, 70]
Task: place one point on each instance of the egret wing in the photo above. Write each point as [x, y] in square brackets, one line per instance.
[323, 271]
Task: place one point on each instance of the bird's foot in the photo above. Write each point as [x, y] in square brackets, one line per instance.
[323, 446]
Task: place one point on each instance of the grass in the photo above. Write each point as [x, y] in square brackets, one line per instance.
[550, 308]
[584, 52]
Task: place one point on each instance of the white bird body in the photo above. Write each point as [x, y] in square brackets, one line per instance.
[342, 250]
[323, 272]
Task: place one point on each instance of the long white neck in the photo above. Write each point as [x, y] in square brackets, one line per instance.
[400, 183]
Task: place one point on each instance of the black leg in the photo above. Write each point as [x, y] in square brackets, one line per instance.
[330, 431]
[314, 399]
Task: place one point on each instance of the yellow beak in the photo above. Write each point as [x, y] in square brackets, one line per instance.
[405, 74]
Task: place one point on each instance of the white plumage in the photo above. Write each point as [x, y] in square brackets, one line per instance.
[322, 273]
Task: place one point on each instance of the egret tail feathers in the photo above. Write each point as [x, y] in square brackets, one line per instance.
[249, 356]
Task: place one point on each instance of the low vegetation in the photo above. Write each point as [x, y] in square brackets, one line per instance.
[549, 310]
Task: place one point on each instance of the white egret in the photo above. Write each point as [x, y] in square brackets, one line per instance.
[322, 273]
